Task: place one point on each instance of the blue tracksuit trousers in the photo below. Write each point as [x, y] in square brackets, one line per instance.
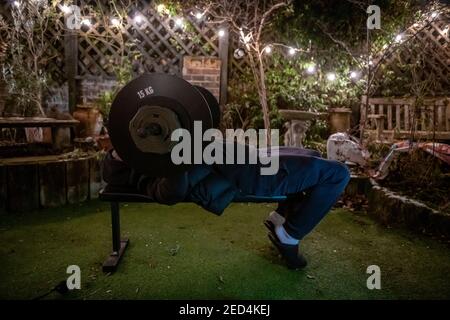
[312, 184]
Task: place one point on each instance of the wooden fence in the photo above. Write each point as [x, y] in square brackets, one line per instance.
[401, 118]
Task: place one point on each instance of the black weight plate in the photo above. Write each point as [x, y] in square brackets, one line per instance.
[155, 89]
[214, 106]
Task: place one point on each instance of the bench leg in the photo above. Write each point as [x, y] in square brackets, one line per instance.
[119, 245]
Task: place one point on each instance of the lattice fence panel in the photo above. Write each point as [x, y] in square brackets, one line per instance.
[160, 42]
[432, 43]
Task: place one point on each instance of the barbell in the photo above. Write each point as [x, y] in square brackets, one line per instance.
[147, 110]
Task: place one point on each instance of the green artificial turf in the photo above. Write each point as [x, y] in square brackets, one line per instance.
[183, 252]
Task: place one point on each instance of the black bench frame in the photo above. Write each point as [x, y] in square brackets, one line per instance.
[120, 244]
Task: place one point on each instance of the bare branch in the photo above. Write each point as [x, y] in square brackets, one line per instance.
[341, 43]
[266, 16]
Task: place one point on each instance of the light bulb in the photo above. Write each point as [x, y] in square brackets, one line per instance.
[398, 38]
[199, 15]
[292, 51]
[86, 22]
[311, 69]
[64, 8]
[331, 76]
[221, 33]
[138, 18]
[268, 49]
[161, 8]
[179, 22]
[115, 22]
[353, 75]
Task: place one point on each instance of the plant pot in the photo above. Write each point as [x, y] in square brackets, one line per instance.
[91, 121]
[339, 119]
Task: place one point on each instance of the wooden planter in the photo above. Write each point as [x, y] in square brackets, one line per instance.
[30, 183]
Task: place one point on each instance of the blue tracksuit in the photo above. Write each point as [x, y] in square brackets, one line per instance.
[312, 184]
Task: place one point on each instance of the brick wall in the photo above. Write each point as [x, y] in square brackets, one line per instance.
[203, 71]
[89, 90]
[57, 97]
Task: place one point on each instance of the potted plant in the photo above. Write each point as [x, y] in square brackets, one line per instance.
[25, 60]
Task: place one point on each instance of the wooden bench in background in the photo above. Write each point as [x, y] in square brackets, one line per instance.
[389, 119]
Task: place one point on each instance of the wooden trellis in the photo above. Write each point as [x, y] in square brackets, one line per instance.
[160, 42]
[432, 43]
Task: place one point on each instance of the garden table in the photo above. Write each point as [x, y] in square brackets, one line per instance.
[39, 122]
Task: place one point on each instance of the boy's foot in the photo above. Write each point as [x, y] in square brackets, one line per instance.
[290, 254]
[269, 225]
[276, 218]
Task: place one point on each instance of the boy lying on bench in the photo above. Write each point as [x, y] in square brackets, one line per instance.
[312, 185]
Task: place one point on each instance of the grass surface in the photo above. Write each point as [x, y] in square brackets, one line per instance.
[184, 252]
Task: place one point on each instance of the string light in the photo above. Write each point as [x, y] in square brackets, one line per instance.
[331, 76]
[199, 16]
[239, 53]
[179, 22]
[311, 69]
[64, 8]
[16, 3]
[161, 8]
[115, 22]
[138, 18]
[86, 22]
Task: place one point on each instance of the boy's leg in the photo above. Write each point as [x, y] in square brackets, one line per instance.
[309, 209]
[289, 205]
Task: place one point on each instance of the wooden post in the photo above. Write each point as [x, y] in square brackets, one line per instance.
[71, 61]
[52, 184]
[223, 55]
[77, 180]
[95, 178]
[23, 188]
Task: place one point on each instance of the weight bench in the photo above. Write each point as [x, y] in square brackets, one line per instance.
[115, 196]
